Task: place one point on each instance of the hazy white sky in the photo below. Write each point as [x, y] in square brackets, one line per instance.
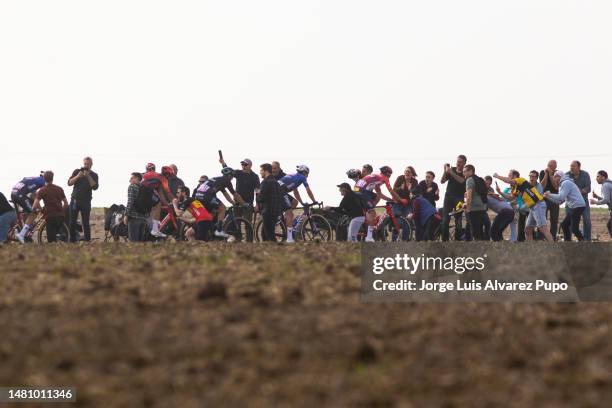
[332, 84]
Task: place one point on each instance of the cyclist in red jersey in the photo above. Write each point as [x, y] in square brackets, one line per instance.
[369, 188]
[161, 195]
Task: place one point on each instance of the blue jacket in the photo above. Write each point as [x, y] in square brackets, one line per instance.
[568, 193]
[422, 210]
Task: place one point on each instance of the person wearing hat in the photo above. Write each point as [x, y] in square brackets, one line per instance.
[247, 184]
[352, 206]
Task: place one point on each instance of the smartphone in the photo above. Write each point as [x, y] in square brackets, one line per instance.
[220, 155]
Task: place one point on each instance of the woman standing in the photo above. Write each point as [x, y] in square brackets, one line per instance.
[402, 186]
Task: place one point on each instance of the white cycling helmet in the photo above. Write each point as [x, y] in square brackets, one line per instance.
[302, 168]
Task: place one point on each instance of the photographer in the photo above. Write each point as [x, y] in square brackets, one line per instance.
[454, 194]
[84, 181]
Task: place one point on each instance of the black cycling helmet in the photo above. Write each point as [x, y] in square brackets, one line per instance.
[354, 174]
[386, 170]
[227, 171]
[368, 167]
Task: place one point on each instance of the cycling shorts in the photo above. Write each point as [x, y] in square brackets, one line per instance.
[22, 201]
[368, 198]
[287, 202]
[210, 203]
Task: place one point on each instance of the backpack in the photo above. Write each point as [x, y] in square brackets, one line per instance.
[480, 188]
[144, 200]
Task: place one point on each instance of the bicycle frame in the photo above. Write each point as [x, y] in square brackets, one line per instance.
[169, 218]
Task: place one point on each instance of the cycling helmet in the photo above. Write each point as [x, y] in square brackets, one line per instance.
[227, 171]
[167, 171]
[354, 174]
[302, 168]
[150, 167]
[386, 170]
[368, 167]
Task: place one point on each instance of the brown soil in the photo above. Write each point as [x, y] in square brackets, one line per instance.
[189, 325]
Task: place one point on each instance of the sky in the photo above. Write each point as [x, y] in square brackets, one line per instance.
[331, 84]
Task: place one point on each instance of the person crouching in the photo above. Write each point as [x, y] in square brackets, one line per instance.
[193, 212]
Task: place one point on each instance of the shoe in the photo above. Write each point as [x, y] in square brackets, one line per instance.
[369, 239]
[20, 238]
[290, 242]
[221, 234]
[158, 234]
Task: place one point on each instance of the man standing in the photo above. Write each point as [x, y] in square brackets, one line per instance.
[174, 182]
[430, 189]
[574, 205]
[475, 202]
[136, 209]
[583, 180]
[55, 203]
[546, 179]
[454, 194]
[269, 202]
[606, 195]
[277, 172]
[247, 183]
[84, 181]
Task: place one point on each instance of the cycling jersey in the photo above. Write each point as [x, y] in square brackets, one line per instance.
[211, 187]
[372, 182]
[292, 181]
[155, 181]
[28, 185]
[196, 209]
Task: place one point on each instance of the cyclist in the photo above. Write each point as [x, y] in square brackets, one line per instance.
[369, 188]
[160, 194]
[21, 196]
[290, 184]
[192, 211]
[206, 193]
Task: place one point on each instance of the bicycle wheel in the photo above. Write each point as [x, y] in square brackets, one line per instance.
[63, 233]
[240, 229]
[316, 227]
[387, 231]
[280, 231]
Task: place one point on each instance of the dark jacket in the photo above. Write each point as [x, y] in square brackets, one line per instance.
[270, 196]
[351, 205]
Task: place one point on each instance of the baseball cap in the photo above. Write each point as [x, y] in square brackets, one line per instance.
[247, 161]
[344, 185]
